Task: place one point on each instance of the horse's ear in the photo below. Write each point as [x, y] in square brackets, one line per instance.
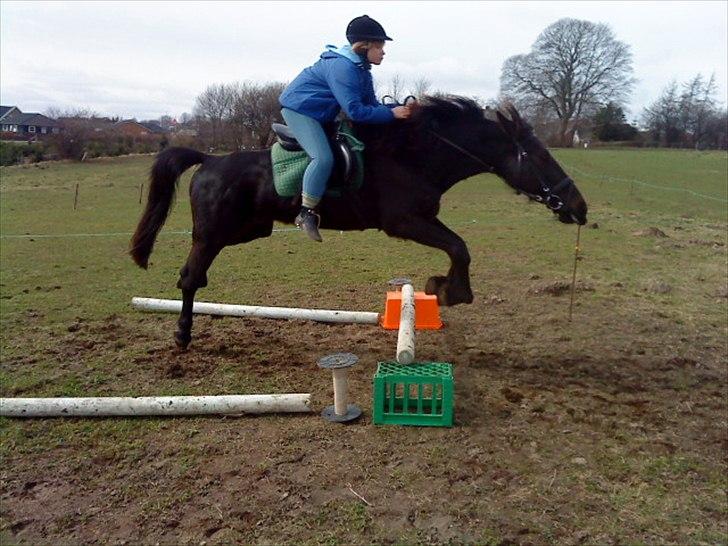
[515, 116]
[507, 125]
[517, 120]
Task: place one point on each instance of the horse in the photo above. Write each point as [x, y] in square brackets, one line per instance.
[409, 165]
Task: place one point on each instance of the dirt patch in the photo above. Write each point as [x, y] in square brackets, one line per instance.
[650, 232]
[559, 288]
[615, 412]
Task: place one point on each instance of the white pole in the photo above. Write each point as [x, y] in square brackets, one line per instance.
[319, 315]
[406, 335]
[341, 391]
[154, 405]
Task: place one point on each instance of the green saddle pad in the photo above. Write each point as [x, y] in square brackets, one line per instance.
[288, 169]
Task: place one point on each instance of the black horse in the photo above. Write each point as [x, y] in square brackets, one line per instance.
[409, 165]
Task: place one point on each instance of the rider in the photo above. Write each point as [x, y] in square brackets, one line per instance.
[340, 79]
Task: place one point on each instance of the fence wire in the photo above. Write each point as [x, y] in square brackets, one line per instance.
[641, 183]
[139, 188]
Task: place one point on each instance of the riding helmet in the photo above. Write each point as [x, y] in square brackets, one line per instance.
[364, 28]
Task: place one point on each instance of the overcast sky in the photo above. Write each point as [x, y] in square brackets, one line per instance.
[145, 59]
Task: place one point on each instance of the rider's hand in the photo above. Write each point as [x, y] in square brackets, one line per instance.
[401, 112]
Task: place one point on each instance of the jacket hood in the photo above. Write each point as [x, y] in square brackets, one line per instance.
[346, 51]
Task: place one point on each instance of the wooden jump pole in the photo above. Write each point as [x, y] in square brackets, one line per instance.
[406, 334]
[319, 315]
[154, 405]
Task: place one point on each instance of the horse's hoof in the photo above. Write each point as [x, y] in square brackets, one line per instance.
[454, 296]
[182, 340]
[438, 286]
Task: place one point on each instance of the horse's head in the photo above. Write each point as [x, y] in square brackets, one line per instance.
[529, 168]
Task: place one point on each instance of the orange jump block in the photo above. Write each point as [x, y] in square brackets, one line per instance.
[427, 312]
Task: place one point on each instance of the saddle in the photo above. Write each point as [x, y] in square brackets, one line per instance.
[290, 161]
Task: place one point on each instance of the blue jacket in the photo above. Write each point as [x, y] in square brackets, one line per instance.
[339, 79]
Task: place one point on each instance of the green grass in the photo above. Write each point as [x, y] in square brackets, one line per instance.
[52, 280]
[70, 276]
[67, 329]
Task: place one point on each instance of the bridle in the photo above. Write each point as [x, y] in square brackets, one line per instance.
[549, 196]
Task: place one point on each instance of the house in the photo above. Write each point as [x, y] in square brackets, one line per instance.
[133, 128]
[154, 127]
[25, 125]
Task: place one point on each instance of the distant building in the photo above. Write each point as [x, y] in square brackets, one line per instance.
[154, 127]
[16, 124]
[134, 128]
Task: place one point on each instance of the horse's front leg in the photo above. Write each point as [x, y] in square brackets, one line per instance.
[450, 290]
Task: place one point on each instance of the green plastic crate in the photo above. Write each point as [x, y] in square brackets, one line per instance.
[420, 394]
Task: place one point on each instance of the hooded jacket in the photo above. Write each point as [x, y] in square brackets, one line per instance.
[340, 79]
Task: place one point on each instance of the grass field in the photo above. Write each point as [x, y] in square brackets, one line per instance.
[611, 428]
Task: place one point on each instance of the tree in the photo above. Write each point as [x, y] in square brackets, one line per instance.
[421, 86]
[662, 117]
[396, 88]
[697, 106]
[687, 117]
[213, 106]
[716, 131]
[573, 68]
[611, 124]
[255, 108]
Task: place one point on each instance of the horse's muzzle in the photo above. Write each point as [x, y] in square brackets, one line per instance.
[573, 215]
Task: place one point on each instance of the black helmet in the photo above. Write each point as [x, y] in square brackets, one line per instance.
[365, 28]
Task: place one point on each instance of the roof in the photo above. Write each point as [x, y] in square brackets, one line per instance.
[153, 126]
[16, 117]
[5, 109]
[38, 119]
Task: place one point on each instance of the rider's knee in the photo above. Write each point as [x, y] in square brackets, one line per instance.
[325, 161]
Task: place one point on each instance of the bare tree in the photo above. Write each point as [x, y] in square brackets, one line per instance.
[697, 106]
[254, 109]
[77, 113]
[662, 117]
[396, 88]
[214, 105]
[684, 118]
[420, 87]
[573, 68]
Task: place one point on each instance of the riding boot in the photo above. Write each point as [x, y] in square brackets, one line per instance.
[308, 220]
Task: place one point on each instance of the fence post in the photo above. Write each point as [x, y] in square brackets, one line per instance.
[75, 198]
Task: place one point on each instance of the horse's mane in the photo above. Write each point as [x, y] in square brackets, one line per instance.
[458, 109]
[444, 108]
[429, 113]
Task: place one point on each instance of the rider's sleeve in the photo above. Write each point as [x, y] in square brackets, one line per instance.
[343, 80]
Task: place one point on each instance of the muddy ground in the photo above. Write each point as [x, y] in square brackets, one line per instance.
[609, 429]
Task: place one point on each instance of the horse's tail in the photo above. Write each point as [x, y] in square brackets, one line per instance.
[167, 168]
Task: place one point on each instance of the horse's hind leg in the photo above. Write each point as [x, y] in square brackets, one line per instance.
[193, 276]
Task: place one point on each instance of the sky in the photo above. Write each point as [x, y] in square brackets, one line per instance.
[147, 59]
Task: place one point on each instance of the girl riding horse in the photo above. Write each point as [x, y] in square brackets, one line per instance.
[340, 79]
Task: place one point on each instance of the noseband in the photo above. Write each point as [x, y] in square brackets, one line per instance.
[548, 196]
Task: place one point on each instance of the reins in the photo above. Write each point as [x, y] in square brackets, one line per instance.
[489, 168]
[549, 196]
